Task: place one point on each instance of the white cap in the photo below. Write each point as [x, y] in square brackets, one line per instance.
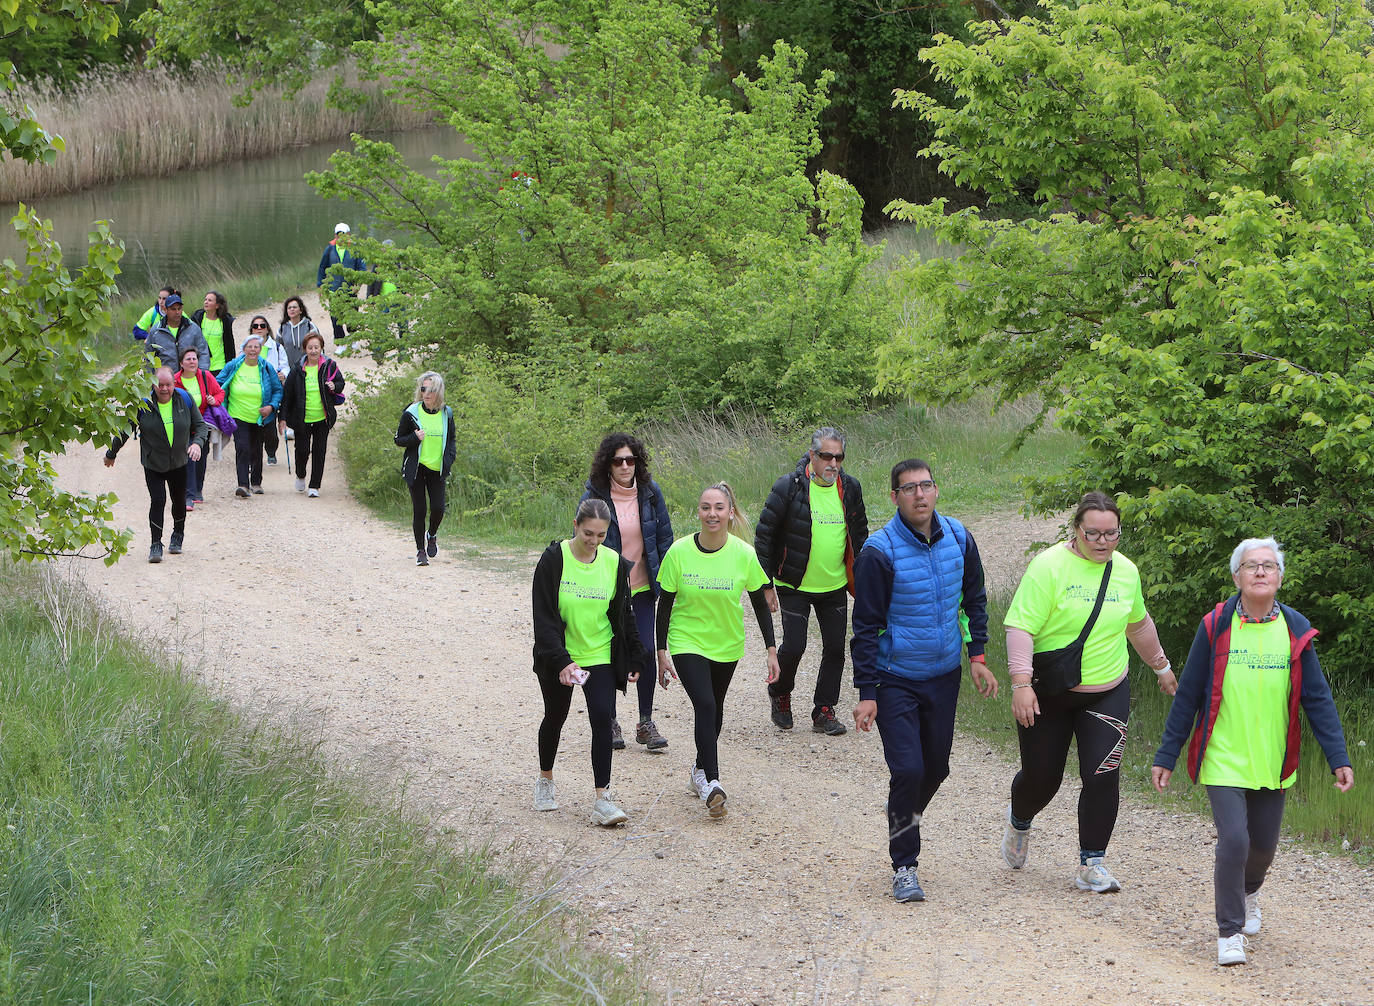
[342, 228]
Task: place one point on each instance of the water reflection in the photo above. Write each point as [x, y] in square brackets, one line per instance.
[242, 217]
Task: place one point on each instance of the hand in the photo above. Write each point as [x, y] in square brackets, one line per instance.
[565, 676]
[281, 426]
[774, 671]
[419, 433]
[770, 594]
[1025, 707]
[1345, 778]
[266, 410]
[666, 671]
[193, 452]
[1168, 684]
[983, 678]
[109, 461]
[1160, 776]
[864, 714]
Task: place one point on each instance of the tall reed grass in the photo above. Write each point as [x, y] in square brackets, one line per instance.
[157, 849]
[153, 122]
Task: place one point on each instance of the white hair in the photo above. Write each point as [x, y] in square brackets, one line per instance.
[1248, 545]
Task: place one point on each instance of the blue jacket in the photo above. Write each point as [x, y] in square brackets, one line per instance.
[1198, 700]
[908, 591]
[271, 384]
[332, 257]
[654, 525]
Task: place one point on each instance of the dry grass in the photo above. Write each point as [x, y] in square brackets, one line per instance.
[151, 122]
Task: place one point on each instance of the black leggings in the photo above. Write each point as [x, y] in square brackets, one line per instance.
[160, 486]
[1098, 721]
[599, 690]
[429, 483]
[311, 441]
[706, 682]
[248, 439]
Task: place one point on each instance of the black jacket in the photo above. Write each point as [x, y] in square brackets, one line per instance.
[782, 537]
[550, 649]
[198, 316]
[405, 437]
[293, 393]
[156, 454]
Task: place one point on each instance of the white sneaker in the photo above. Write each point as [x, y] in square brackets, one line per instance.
[300, 485]
[697, 783]
[606, 813]
[313, 494]
[1093, 876]
[1015, 843]
[1252, 915]
[714, 798]
[1231, 949]
[543, 794]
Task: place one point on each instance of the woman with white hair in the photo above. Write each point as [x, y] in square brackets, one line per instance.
[1251, 665]
[426, 432]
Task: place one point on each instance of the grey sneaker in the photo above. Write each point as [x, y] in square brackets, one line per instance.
[905, 886]
[617, 736]
[241, 492]
[714, 798]
[1015, 843]
[431, 545]
[257, 490]
[421, 559]
[647, 734]
[155, 552]
[543, 794]
[300, 485]
[1252, 915]
[605, 813]
[1093, 876]
[697, 783]
[174, 546]
[1231, 949]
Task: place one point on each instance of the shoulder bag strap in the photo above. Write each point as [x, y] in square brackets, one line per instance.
[1097, 606]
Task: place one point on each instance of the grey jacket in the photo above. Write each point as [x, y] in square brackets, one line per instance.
[155, 452]
[169, 347]
[292, 339]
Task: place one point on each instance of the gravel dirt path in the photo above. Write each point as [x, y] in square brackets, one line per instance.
[314, 609]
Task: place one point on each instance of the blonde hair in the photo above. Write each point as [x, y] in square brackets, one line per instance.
[436, 382]
[739, 520]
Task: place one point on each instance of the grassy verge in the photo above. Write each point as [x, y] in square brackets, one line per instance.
[153, 122]
[1315, 813]
[157, 849]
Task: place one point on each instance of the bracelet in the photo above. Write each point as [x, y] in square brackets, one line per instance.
[1020, 684]
[1164, 670]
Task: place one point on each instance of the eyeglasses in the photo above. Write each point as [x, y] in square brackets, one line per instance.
[827, 456]
[426, 390]
[1110, 535]
[627, 462]
[255, 326]
[911, 488]
[1260, 567]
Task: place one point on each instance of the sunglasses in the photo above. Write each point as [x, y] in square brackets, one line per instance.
[627, 462]
[255, 327]
[827, 456]
[426, 390]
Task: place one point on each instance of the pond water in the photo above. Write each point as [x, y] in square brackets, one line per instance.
[241, 217]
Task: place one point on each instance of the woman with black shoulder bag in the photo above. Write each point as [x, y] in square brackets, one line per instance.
[1075, 608]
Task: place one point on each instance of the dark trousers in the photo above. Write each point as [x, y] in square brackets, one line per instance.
[642, 604]
[832, 614]
[430, 484]
[248, 453]
[706, 682]
[311, 440]
[160, 486]
[271, 440]
[337, 331]
[1097, 720]
[599, 690]
[195, 476]
[916, 723]
[1247, 823]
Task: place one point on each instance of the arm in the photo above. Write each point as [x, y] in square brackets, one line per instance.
[858, 527]
[663, 525]
[336, 379]
[549, 646]
[288, 395]
[872, 596]
[406, 430]
[200, 429]
[662, 619]
[622, 615]
[1144, 639]
[451, 445]
[1188, 699]
[768, 528]
[274, 383]
[324, 264]
[763, 611]
[214, 394]
[975, 602]
[1322, 715]
[229, 351]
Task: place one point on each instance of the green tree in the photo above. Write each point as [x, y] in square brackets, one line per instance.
[1197, 300]
[58, 47]
[612, 209]
[50, 390]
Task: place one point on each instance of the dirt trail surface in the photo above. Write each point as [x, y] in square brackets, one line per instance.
[314, 608]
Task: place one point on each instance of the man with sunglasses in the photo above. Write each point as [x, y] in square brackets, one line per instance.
[811, 527]
[912, 579]
[175, 334]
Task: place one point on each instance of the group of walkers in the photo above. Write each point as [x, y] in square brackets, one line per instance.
[210, 388]
[621, 601]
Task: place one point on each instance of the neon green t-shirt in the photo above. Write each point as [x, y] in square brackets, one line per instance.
[1249, 738]
[149, 319]
[432, 447]
[707, 618]
[825, 563]
[584, 595]
[1055, 598]
[314, 405]
[245, 393]
[166, 409]
[213, 330]
[192, 387]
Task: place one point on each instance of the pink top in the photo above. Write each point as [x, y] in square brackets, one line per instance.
[626, 502]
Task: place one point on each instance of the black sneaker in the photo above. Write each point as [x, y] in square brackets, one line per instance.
[271, 460]
[257, 490]
[782, 711]
[824, 722]
[421, 559]
[431, 545]
[617, 737]
[241, 492]
[174, 546]
[155, 553]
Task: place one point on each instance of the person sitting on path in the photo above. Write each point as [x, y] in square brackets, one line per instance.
[431, 444]
[307, 406]
[171, 434]
[811, 528]
[174, 333]
[1251, 665]
[584, 634]
[912, 578]
[640, 531]
[254, 395]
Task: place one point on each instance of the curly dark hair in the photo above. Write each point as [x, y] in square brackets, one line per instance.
[600, 476]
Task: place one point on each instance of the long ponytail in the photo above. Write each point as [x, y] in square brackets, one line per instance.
[739, 520]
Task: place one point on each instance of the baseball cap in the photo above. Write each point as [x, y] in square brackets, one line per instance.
[341, 228]
[171, 299]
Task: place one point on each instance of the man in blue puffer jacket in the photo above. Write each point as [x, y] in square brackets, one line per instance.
[912, 579]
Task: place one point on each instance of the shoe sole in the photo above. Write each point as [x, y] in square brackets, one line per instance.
[657, 745]
[917, 896]
[618, 745]
[546, 808]
[816, 728]
[609, 822]
[782, 726]
[1108, 889]
[174, 551]
[715, 804]
[1230, 963]
[154, 558]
